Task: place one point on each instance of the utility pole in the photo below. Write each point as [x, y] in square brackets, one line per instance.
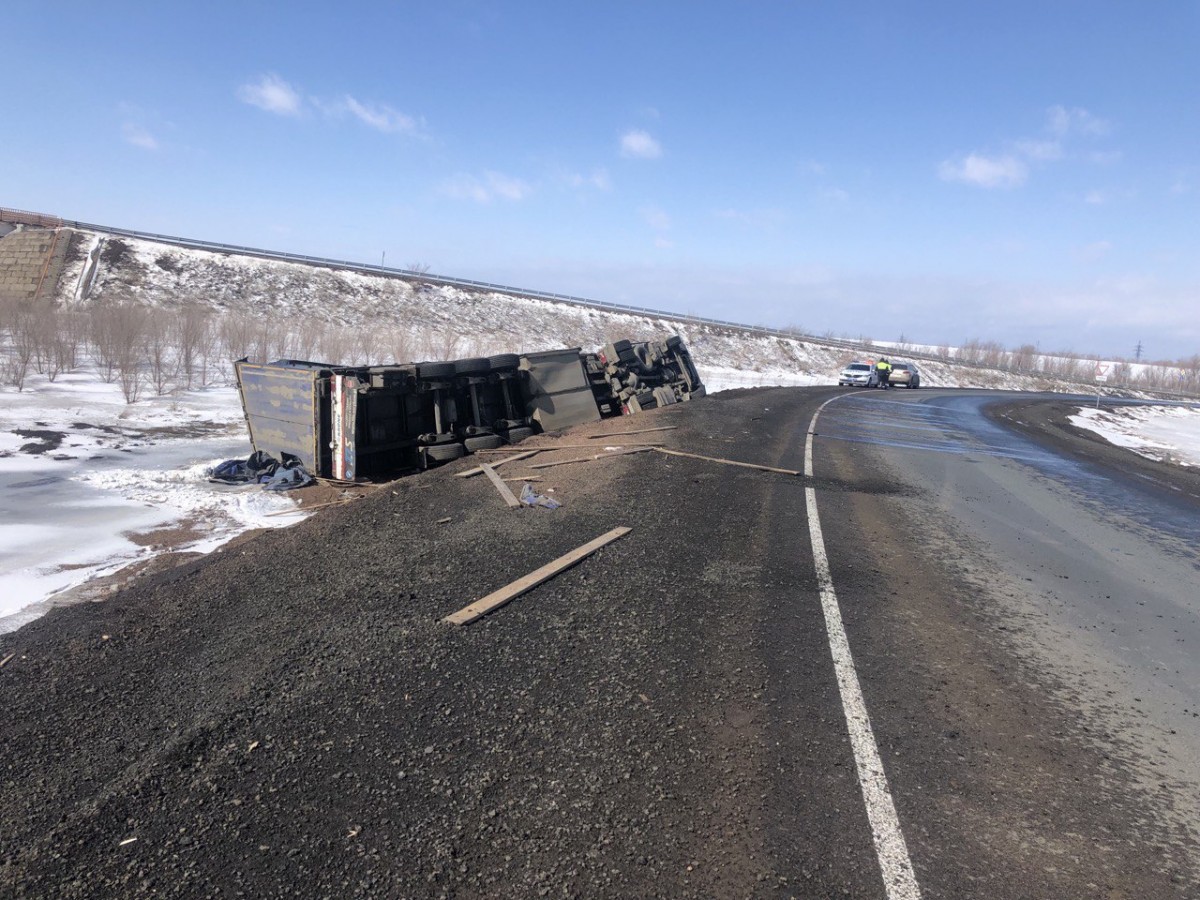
[382, 258]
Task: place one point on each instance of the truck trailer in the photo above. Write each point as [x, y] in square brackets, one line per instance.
[367, 422]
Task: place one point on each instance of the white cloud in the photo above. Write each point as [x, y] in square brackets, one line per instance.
[1095, 198]
[597, 178]
[834, 194]
[812, 167]
[138, 136]
[380, 116]
[1062, 121]
[486, 188]
[273, 94]
[1040, 150]
[655, 218]
[640, 145]
[985, 171]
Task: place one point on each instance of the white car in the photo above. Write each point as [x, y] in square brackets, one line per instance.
[858, 373]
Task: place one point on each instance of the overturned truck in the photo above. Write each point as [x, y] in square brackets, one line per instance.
[351, 422]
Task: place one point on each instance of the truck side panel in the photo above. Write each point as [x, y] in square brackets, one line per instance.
[283, 410]
[557, 391]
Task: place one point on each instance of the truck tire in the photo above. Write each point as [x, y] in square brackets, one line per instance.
[474, 365]
[483, 442]
[674, 342]
[515, 435]
[435, 370]
[503, 361]
[445, 452]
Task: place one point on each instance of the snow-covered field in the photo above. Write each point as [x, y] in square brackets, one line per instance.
[86, 481]
[1166, 433]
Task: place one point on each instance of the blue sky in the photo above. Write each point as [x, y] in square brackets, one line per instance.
[1020, 172]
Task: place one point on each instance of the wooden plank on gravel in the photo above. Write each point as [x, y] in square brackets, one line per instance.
[505, 491]
[563, 462]
[496, 599]
[4, 662]
[300, 509]
[600, 437]
[479, 470]
[728, 462]
[549, 448]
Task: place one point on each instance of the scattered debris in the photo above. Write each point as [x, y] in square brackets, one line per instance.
[530, 497]
[498, 598]
[261, 468]
[4, 662]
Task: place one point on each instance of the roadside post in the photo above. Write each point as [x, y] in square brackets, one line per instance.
[1102, 370]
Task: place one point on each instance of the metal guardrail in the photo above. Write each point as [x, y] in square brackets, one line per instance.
[604, 306]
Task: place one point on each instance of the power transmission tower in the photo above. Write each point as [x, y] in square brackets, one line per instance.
[1137, 351]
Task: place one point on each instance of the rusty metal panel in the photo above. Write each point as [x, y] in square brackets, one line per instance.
[283, 410]
[344, 402]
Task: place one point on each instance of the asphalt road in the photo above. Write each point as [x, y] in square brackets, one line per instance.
[292, 718]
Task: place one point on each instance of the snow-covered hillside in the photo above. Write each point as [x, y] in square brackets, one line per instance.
[437, 321]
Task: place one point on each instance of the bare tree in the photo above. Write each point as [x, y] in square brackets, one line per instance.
[400, 344]
[188, 331]
[21, 344]
[236, 336]
[118, 332]
[158, 349]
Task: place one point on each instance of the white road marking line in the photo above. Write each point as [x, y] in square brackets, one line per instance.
[898, 877]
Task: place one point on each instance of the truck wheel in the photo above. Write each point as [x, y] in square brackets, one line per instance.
[445, 452]
[518, 434]
[474, 365]
[483, 442]
[435, 369]
[503, 361]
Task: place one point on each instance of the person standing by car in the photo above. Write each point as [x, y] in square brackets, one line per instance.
[883, 372]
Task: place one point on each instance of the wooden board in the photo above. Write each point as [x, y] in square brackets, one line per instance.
[504, 490]
[728, 462]
[484, 605]
[479, 471]
[563, 462]
[600, 437]
[550, 448]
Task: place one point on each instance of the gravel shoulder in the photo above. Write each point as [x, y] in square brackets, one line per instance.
[289, 716]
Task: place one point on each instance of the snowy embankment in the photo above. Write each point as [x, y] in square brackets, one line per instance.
[1164, 433]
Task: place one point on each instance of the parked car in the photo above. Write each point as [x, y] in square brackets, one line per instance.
[905, 374]
[858, 373]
